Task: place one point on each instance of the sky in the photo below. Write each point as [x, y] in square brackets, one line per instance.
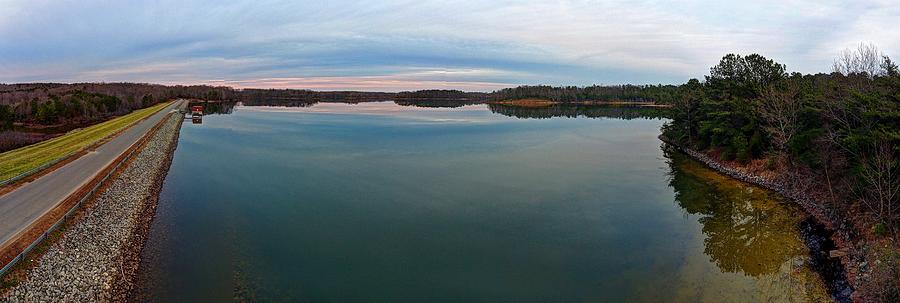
[386, 45]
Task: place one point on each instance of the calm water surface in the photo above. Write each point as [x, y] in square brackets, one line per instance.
[383, 203]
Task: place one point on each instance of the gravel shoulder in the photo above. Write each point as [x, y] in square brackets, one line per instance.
[96, 258]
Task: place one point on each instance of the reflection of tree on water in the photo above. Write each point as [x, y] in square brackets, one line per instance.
[448, 103]
[279, 102]
[577, 110]
[747, 229]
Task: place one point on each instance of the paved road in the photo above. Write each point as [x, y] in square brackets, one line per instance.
[23, 206]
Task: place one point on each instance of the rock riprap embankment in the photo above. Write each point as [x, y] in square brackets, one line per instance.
[789, 188]
[89, 262]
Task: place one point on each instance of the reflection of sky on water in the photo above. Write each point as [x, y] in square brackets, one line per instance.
[381, 202]
[464, 114]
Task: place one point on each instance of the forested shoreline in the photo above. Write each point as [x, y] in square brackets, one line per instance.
[837, 134]
[33, 112]
[594, 93]
[54, 103]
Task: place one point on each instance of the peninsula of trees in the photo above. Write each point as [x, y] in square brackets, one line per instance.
[837, 135]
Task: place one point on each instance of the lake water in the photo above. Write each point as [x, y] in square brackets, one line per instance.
[377, 202]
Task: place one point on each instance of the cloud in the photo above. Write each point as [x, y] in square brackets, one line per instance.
[361, 83]
[478, 45]
[415, 79]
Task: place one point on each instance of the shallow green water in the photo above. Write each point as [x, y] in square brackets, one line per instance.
[382, 203]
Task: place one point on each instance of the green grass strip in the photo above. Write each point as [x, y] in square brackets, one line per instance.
[24, 159]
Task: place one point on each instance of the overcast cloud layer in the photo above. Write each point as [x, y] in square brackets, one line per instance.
[399, 45]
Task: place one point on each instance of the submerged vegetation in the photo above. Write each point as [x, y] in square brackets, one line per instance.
[747, 230]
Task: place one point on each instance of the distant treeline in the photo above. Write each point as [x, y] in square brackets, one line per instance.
[574, 94]
[305, 97]
[44, 104]
[302, 97]
[663, 94]
[442, 94]
[440, 98]
[55, 103]
[626, 112]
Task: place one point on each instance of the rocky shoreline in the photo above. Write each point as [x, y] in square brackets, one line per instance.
[838, 232]
[96, 258]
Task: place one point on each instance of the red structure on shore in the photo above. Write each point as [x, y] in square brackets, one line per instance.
[197, 114]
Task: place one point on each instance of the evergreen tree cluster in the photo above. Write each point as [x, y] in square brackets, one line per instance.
[843, 128]
[573, 94]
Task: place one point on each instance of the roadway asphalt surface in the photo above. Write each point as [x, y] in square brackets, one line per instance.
[26, 204]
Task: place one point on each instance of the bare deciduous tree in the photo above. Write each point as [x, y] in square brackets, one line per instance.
[866, 58]
[780, 109]
[881, 184]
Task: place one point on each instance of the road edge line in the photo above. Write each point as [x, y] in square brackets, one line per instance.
[79, 197]
[11, 184]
